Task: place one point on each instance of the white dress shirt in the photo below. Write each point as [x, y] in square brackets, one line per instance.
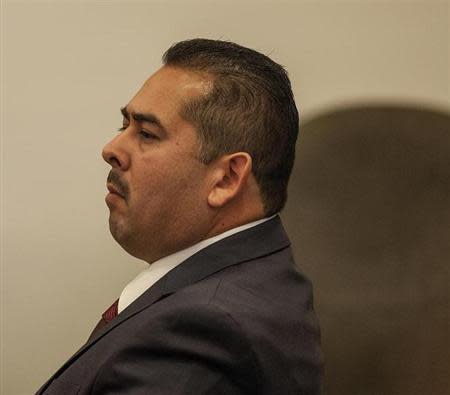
[158, 269]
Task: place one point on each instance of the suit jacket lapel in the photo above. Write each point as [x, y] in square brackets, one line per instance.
[152, 295]
[263, 239]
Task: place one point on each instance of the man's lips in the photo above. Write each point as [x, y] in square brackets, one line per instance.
[114, 190]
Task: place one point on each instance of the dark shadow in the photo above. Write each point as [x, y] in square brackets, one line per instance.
[369, 216]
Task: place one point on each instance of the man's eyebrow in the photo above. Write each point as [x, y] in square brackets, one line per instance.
[141, 117]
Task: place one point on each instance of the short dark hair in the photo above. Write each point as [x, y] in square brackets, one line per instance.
[250, 108]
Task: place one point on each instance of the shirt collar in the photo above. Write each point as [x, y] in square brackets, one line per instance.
[159, 268]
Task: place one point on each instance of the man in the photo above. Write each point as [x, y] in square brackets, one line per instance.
[199, 172]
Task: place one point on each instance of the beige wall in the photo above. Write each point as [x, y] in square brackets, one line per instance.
[68, 66]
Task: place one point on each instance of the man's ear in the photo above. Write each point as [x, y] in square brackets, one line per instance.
[230, 177]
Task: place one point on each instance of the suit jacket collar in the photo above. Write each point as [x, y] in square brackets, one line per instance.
[255, 242]
[249, 244]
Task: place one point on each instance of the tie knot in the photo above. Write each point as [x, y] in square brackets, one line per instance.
[112, 311]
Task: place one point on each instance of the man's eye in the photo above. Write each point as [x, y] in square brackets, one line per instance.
[146, 135]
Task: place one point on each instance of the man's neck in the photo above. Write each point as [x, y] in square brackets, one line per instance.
[233, 218]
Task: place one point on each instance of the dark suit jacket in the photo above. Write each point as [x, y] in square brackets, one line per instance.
[235, 318]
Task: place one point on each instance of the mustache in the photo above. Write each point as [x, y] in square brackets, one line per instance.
[119, 184]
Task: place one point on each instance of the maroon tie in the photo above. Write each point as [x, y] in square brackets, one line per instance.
[107, 316]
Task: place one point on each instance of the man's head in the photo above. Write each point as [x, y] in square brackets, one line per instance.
[251, 108]
[207, 144]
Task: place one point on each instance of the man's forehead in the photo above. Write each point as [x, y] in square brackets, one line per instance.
[179, 82]
[167, 90]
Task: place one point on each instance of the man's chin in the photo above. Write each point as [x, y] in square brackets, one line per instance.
[123, 237]
[117, 229]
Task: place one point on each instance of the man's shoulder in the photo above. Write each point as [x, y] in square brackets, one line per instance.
[261, 308]
[270, 287]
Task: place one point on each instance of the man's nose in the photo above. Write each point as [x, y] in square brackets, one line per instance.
[116, 152]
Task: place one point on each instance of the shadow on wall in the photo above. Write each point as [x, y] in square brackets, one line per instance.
[369, 217]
